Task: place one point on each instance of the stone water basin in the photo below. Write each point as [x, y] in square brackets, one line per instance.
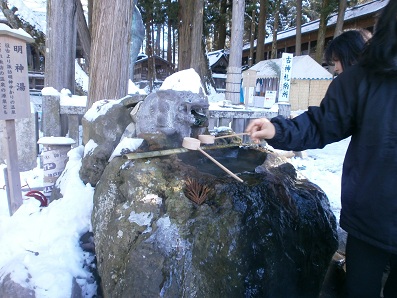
[238, 159]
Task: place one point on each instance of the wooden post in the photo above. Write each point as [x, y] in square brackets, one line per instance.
[14, 180]
[233, 80]
[15, 101]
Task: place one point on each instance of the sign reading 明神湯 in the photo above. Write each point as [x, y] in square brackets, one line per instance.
[14, 102]
[14, 84]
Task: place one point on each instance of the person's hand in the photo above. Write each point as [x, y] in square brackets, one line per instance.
[260, 129]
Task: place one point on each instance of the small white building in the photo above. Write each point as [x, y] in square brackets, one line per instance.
[309, 81]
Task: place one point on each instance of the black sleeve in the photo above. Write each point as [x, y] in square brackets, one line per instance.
[332, 121]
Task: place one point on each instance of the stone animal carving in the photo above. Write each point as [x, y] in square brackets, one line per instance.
[171, 114]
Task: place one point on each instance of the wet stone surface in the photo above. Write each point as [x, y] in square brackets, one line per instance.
[271, 236]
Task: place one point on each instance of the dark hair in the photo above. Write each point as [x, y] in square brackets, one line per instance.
[381, 54]
[347, 47]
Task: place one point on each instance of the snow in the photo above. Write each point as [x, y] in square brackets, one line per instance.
[17, 33]
[32, 11]
[303, 67]
[126, 145]
[56, 141]
[40, 246]
[185, 80]
[99, 108]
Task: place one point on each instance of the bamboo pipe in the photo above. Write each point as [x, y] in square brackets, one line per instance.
[149, 154]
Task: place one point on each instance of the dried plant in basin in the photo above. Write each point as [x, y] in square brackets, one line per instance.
[195, 191]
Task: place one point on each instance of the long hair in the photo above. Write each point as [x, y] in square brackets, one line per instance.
[347, 47]
[380, 56]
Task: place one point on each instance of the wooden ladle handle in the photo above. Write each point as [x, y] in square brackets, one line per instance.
[232, 135]
[220, 165]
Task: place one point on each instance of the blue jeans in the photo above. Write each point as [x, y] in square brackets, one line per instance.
[365, 267]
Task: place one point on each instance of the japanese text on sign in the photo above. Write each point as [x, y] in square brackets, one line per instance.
[14, 89]
[285, 77]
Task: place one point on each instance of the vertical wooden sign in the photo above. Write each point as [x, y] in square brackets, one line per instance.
[14, 101]
[285, 77]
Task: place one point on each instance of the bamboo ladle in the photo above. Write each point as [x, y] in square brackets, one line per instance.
[194, 144]
[210, 139]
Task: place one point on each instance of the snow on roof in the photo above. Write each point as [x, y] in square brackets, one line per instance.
[303, 67]
[351, 13]
[214, 56]
[32, 11]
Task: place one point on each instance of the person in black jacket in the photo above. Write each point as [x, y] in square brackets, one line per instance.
[361, 103]
[345, 50]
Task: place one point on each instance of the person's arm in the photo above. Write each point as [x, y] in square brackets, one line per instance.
[315, 128]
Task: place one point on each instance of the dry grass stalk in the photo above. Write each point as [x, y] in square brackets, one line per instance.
[195, 191]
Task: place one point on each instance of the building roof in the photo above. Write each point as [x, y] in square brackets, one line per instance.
[303, 67]
[214, 56]
[351, 13]
[146, 57]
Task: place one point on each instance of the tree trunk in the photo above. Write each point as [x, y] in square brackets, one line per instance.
[321, 31]
[149, 51]
[61, 45]
[298, 43]
[158, 39]
[191, 43]
[233, 80]
[110, 50]
[60, 61]
[222, 26]
[184, 35]
[341, 17]
[252, 39]
[275, 28]
[169, 41]
[260, 42]
[83, 33]
[174, 42]
[90, 8]
[197, 54]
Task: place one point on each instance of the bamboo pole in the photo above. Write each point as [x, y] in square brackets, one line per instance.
[220, 165]
[149, 154]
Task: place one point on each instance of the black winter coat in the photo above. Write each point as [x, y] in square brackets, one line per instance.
[364, 106]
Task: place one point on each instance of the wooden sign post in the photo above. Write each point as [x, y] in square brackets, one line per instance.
[14, 101]
[285, 77]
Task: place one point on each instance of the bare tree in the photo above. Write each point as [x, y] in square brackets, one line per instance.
[83, 33]
[60, 44]
[260, 42]
[151, 69]
[233, 80]
[191, 43]
[298, 43]
[60, 59]
[221, 28]
[326, 9]
[341, 17]
[276, 15]
[110, 49]
[252, 38]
